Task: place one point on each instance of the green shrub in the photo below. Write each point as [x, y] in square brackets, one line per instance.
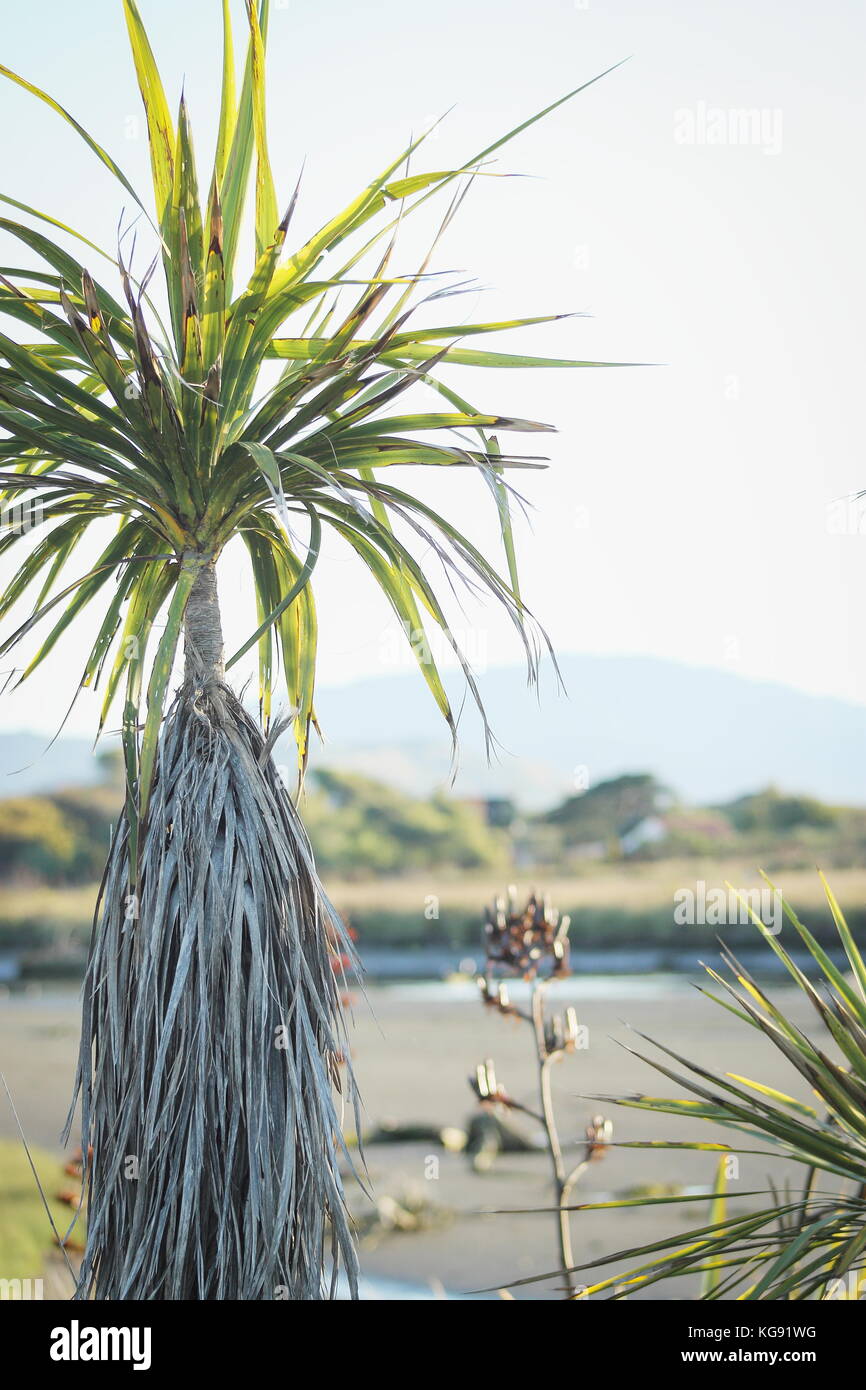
[35, 837]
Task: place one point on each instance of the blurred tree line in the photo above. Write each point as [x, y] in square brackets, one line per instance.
[357, 826]
[361, 827]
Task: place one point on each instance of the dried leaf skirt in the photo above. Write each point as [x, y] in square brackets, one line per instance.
[212, 1036]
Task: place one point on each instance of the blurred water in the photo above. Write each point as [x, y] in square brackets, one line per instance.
[575, 987]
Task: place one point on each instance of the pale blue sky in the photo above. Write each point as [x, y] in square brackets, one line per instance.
[685, 510]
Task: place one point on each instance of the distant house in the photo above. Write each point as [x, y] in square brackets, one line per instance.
[591, 821]
[627, 816]
[645, 830]
[686, 826]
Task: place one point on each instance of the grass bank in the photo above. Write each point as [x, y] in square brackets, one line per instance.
[611, 906]
[26, 1239]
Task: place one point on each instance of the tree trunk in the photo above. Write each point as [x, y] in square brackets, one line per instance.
[203, 635]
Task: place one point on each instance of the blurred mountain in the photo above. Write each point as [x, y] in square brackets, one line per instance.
[28, 764]
[709, 734]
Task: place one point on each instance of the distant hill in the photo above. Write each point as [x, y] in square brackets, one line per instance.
[708, 734]
[27, 764]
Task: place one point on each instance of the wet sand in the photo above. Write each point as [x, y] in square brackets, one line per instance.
[414, 1047]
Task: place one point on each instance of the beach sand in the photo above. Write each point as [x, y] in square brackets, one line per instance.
[414, 1046]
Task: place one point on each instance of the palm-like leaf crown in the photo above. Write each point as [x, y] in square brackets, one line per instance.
[221, 424]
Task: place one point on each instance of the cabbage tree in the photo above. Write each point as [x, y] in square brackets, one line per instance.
[151, 413]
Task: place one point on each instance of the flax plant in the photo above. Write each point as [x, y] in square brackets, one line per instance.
[530, 942]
